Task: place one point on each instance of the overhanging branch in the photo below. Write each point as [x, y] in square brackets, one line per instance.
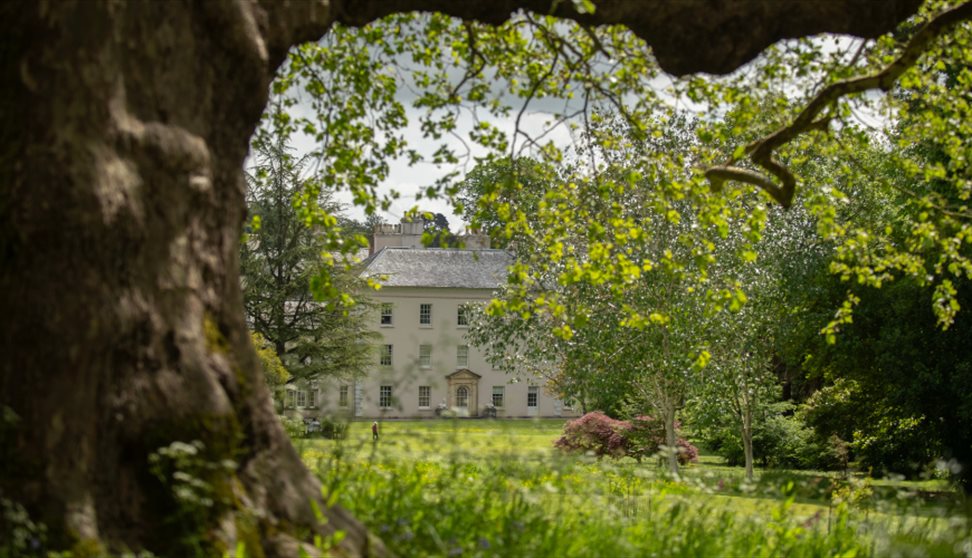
[761, 151]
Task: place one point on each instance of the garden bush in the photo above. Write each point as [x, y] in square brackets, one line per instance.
[602, 435]
[781, 439]
[645, 437]
[295, 427]
[595, 433]
[882, 439]
[326, 427]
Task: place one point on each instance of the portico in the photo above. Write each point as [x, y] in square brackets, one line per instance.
[463, 389]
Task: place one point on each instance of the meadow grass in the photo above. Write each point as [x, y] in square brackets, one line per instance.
[500, 488]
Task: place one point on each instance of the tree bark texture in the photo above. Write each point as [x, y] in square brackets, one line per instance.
[686, 36]
[123, 130]
[125, 127]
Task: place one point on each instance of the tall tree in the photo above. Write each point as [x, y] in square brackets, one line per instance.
[280, 258]
[614, 273]
[437, 233]
[739, 381]
[494, 189]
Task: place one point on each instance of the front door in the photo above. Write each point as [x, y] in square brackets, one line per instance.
[464, 392]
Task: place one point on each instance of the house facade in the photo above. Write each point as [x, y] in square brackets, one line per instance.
[423, 362]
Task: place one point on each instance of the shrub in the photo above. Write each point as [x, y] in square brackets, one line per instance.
[601, 435]
[295, 427]
[894, 444]
[780, 440]
[334, 429]
[646, 436]
[597, 433]
[687, 452]
[326, 427]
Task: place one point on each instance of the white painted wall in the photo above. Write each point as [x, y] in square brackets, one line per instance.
[405, 375]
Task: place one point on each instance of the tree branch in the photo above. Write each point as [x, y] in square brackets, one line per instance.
[761, 151]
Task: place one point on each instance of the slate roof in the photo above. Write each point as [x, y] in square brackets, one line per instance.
[439, 267]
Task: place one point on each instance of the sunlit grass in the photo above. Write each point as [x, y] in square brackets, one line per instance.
[499, 488]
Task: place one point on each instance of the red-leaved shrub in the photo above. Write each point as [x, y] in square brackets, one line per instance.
[595, 432]
[601, 435]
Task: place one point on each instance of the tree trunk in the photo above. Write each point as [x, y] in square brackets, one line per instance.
[123, 130]
[747, 439]
[671, 440]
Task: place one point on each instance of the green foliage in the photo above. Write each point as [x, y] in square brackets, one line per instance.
[21, 536]
[201, 488]
[897, 388]
[610, 285]
[326, 427]
[647, 438]
[436, 231]
[781, 439]
[293, 426]
[492, 190]
[435, 489]
[274, 371]
[287, 258]
[354, 76]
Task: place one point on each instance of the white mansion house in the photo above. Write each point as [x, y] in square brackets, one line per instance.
[424, 361]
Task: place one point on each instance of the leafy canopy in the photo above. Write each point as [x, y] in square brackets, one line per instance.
[801, 100]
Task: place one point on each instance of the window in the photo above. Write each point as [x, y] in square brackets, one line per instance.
[532, 393]
[386, 355]
[462, 396]
[462, 356]
[312, 398]
[498, 393]
[386, 314]
[462, 318]
[301, 398]
[425, 314]
[343, 396]
[385, 397]
[425, 356]
[425, 397]
[291, 399]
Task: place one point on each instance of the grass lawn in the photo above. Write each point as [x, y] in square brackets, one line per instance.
[431, 438]
[499, 488]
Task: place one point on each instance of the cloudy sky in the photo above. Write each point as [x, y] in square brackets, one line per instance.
[408, 180]
[536, 121]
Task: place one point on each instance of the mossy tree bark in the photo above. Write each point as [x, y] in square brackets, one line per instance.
[123, 130]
